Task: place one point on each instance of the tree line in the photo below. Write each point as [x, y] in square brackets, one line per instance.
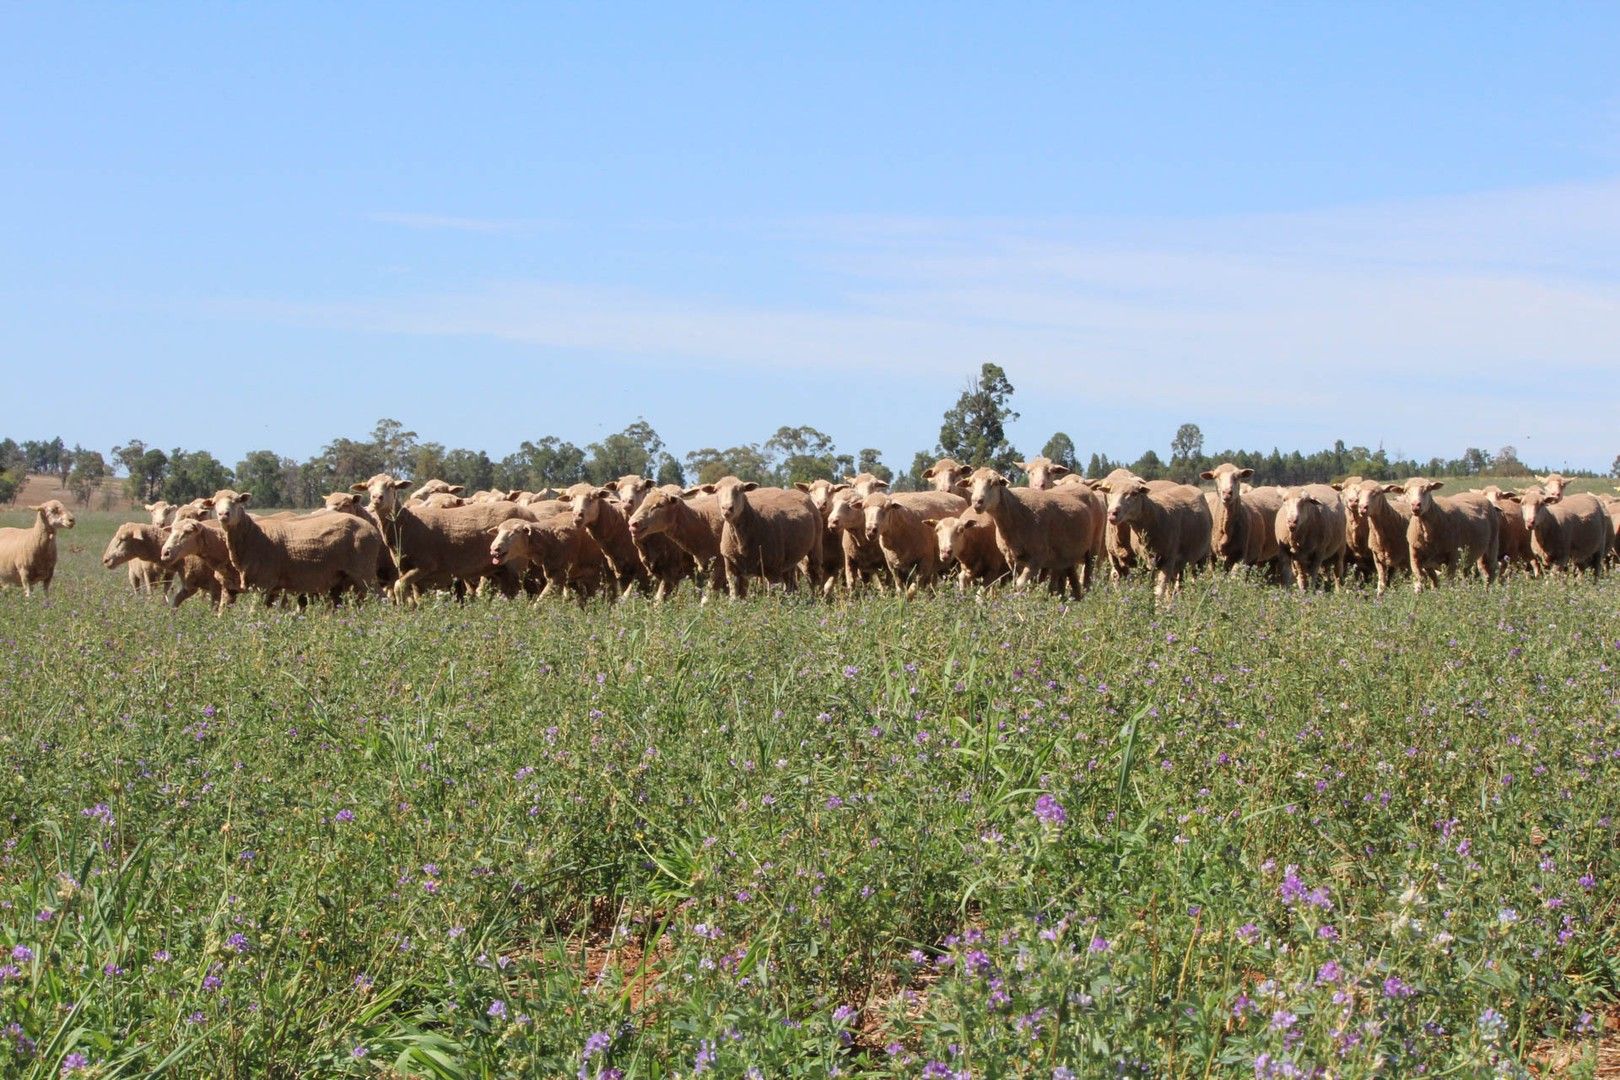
[973, 430]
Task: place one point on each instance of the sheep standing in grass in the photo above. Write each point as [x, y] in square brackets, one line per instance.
[139, 547]
[28, 556]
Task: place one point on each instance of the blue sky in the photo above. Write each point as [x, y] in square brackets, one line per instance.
[236, 227]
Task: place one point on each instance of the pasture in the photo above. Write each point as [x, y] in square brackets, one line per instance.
[1245, 833]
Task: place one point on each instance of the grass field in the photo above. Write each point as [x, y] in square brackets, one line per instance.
[1248, 834]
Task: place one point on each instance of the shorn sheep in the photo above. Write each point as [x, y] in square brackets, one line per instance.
[28, 556]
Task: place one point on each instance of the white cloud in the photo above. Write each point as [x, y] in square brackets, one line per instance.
[1436, 315]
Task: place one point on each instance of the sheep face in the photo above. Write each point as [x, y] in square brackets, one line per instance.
[1043, 472]
[1419, 494]
[1228, 482]
[1532, 504]
[946, 473]
[1127, 501]
[510, 539]
[655, 514]
[587, 504]
[384, 493]
[821, 492]
[186, 539]
[631, 490]
[54, 514]
[877, 513]
[162, 513]
[230, 506]
[120, 549]
[847, 511]
[733, 499]
[985, 489]
[946, 531]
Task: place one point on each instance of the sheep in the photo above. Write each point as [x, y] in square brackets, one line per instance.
[1051, 533]
[195, 510]
[1170, 527]
[970, 542]
[1243, 523]
[599, 512]
[948, 474]
[199, 550]
[28, 556]
[347, 502]
[1567, 530]
[768, 533]
[1358, 554]
[1310, 532]
[1441, 527]
[139, 547]
[1042, 473]
[861, 559]
[558, 547]
[665, 561]
[434, 487]
[322, 554]
[1553, 484]
[1514, 548]
[162, 513]
[1612, 506]
[693, 524]
[1387, 522]
[910, 548]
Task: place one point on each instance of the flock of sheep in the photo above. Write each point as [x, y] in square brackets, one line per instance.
[633, 535]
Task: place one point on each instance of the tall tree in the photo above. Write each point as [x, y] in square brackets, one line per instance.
[633, 450]
[801, 454]
[396, 447]
[746, 462]
[193, 475]
[262, 473]
[89, 469]
[669, 470]
[974, 429]
[471, 468]
[1060, 448]
[1188, 445]
[871, 461]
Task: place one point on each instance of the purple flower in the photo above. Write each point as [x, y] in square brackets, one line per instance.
[1248, 933]
[197, 1017]
[1050, 811]
[45, 915]
[161, 956]
[1329, 972]
[497, 1009]
[22, 953]
[1292, 889]
[345, 815]
[74, 1062]
[597, 1043]
[843, 1014]
[1282, 1020]
[239, 942]
[359, 1052]
[111, 970]
[850, 671]
[1099, 944]
[705, 1056]
[208, 711]
[1395, 987]
[1586, 880]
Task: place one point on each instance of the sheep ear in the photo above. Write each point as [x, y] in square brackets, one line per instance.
[802, 486]
[1551, 498]
[931, 522]
[1024, 465]
[1393, 489]
[692, 492]
[353, 487]
[37, 509]
[855, 504]
[1244, 474]
[928, 473]
[750, 486]
[1103, 486]
[245, 497]
[400, 483]
[708, 489]
[968, 523]
[1434, 484]
[835, 489]
[456, 489]
[1207, 474]
[1060, 470]
[849, 479]
[1337, 487]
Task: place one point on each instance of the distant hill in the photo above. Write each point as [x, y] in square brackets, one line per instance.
[109, 494]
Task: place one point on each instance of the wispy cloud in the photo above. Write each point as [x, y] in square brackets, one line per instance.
[458, 224]
[1447, 313]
